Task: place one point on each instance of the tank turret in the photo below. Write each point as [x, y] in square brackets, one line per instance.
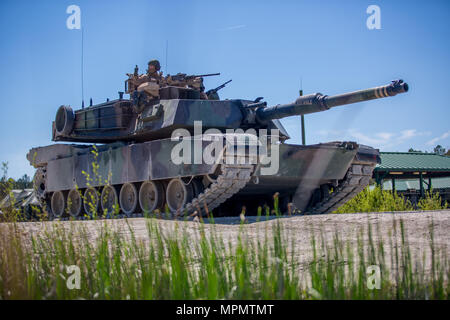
[129, 120]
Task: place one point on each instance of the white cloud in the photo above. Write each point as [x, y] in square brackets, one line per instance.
[441, 137]
[233, 27]
[408, 134]
[385, 135]
[376, 139]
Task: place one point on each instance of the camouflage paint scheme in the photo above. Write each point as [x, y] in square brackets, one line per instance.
[138, 145]
[119, 164]
[113, 121]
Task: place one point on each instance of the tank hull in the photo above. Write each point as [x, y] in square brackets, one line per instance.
[299, 170]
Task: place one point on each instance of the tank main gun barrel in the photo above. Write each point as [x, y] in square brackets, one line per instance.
[318, 102]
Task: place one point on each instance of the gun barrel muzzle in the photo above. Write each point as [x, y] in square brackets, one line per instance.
[390, 90]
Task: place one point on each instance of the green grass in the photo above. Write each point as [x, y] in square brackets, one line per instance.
[175, 264]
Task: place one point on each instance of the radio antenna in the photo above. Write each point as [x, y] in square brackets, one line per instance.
[167, 49]
[82, 67]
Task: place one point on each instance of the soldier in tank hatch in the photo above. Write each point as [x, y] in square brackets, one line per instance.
[145, 87]
[152, 71]
[135, 80]
[150, 82]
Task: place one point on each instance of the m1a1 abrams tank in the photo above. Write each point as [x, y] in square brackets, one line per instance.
[134, 165]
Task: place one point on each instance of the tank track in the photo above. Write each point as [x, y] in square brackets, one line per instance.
[232, 179]
[356, 179]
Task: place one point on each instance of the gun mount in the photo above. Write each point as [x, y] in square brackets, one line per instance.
[212, 93]
[185, 77]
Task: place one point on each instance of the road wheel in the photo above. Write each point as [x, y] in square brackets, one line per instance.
[74, 203]
[151, 196]
[178, 194]
[128, 198]
[39, 184]
[58, 204]
[90, 201]
[109, 200]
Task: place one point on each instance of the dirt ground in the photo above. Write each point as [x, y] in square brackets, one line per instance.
[298, 229]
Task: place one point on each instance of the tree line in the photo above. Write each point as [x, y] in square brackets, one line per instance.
[7, 184]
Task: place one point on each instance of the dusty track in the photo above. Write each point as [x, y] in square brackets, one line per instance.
[298, 228]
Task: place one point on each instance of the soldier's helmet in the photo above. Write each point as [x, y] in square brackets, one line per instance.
[156, 64]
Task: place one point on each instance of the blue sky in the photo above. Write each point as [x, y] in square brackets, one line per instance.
[266, 47]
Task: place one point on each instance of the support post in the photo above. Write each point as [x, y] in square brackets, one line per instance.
[393, 185]
[377, 178]
[429, 183]
[421, 185]
[303, 130]
[303, 123]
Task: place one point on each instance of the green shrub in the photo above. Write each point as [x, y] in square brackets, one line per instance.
[376, 200]
[432, 201]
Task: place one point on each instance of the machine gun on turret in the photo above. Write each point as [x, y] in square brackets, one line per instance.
[213, 95]
[184, 77]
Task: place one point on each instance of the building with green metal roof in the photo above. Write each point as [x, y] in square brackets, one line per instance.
[404, 171]
[408, 163]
